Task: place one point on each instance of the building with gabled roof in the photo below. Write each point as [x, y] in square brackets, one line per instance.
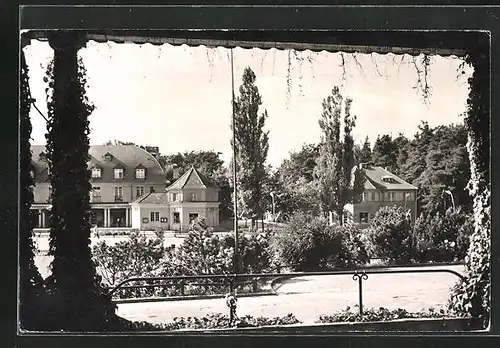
[192, 195]
[119, 174]
[129, 190]
[381, 188]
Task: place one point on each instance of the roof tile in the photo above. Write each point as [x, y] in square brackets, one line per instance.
[127, 157]
[374, 177]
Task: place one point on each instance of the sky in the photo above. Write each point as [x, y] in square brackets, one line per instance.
[179, 97]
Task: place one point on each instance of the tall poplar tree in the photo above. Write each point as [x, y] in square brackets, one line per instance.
[252, 145]
[338, 178]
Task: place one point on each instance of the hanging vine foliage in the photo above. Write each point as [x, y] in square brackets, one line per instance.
[77, 299]
[472, 297]
[31, 282]
[422, 85]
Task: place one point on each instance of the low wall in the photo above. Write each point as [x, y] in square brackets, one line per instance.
[402, 325]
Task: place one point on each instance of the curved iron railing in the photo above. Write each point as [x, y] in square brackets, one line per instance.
[233, 280]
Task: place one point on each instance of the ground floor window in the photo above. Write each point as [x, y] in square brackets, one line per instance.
[363, 218]
[155, 216]
[177, 218]
[97, 217]
[192, 216]
[36, 216]
[96, 192]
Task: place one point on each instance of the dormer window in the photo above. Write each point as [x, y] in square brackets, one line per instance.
[118, 173]
[96, 173]
[389, 179]
[140, 173]
[108, 157]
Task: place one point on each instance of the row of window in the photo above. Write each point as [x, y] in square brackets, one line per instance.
[96, 192]
[140, 173]
[388, 196]
[365, 217]
[193, 197]
[155, 216]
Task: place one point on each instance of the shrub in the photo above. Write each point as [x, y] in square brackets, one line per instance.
[255, 251]
[308, 243]
[353, 244]
[202, 252]
[442, 237]
[389, 235]
[132, 258]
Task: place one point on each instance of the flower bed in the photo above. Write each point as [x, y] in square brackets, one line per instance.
[379, 314]
[380, 319]
[210, 321]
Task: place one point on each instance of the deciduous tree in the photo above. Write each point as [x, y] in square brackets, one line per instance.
[363, 154]
[335, 164]
[252, 145]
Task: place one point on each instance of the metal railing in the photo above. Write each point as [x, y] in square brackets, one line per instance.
[234, 280]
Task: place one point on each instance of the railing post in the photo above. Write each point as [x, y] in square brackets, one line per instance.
[182, 287]
[360, 278]
[231, 302]
[254, 285]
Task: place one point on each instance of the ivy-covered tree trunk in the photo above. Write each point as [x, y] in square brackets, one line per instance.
[79, 302]
[31, 282]
[472, 297]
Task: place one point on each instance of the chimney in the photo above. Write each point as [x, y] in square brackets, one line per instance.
[153, 150]
[175, 171]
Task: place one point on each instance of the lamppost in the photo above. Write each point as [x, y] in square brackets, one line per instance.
[236, 256]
